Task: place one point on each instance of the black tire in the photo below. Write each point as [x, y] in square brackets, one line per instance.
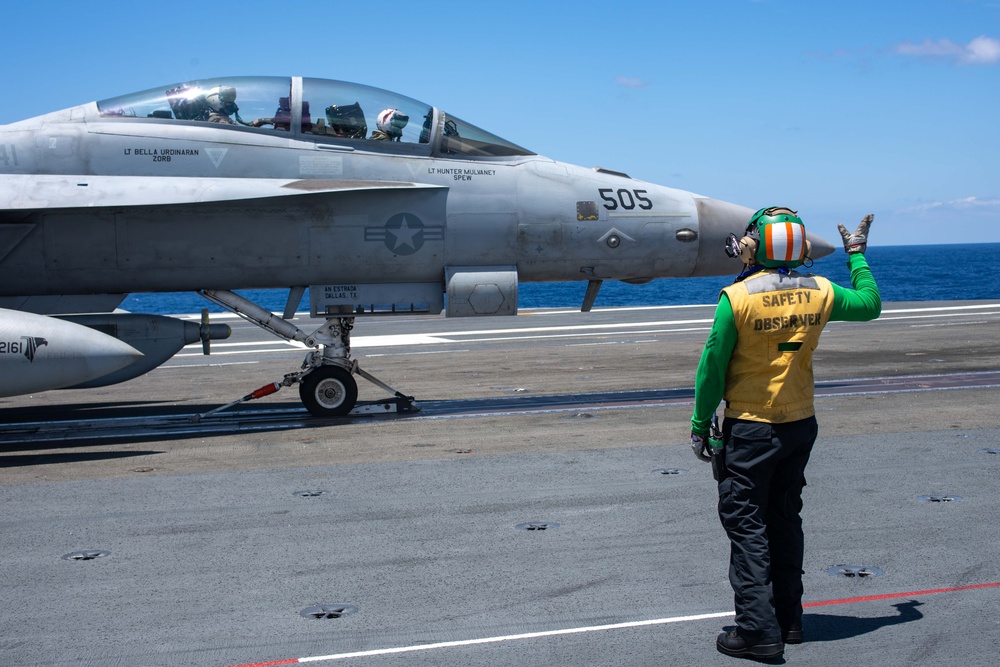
[328, 391]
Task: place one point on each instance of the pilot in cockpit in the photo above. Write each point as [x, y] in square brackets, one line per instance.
[221, 102]
[390, 124]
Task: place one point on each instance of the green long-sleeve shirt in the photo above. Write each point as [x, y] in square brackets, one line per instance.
[860, 304]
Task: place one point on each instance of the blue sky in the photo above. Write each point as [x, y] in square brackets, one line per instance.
[836, 109]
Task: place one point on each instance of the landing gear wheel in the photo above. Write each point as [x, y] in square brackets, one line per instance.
[329, 391]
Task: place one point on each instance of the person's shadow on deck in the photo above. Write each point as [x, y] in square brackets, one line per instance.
[831, 627]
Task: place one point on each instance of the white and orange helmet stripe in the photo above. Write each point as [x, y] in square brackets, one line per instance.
[785, 241]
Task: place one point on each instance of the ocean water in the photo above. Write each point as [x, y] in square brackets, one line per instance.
[954, 272]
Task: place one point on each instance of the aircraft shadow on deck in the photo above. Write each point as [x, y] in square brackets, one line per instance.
[20, 460]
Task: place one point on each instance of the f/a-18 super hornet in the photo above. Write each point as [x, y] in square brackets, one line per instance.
[374, 202]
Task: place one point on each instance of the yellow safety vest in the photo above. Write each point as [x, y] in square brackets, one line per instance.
[779, 319]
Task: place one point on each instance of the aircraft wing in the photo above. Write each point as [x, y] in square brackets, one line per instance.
[89, 235]
[38, 192]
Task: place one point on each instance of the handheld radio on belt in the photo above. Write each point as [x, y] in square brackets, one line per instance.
[718, 452]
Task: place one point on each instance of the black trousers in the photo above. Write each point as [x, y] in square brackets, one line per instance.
[760, 498]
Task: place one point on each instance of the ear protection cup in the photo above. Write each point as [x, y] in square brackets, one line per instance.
[748, 249]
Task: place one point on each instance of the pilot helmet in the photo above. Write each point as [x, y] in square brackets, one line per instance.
[222, 99]
[392, 122]
[774, 237]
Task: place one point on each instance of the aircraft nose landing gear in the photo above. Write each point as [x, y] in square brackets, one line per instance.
[326, 382]
[328, 391]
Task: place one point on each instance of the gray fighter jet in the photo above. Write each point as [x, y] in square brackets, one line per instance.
[375, 202]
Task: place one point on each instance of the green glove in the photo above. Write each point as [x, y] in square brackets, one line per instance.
[858, 241]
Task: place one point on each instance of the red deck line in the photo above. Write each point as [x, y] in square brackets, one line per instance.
[891, 596]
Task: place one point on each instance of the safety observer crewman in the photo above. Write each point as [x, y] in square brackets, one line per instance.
[758, 357]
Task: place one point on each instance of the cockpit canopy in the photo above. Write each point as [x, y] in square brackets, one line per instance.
[322, 110]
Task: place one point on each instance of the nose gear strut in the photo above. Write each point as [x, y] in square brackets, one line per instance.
[326, 380]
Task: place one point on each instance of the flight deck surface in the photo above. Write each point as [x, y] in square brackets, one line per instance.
[543, 507]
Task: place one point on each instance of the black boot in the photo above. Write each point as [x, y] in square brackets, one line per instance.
[792, 634]
[735, 644]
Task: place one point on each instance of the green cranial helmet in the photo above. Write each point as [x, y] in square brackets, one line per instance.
[780, 236]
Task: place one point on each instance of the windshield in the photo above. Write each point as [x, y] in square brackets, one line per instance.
[239, 100]
[329, 109]
[353, 111]
[461, 138]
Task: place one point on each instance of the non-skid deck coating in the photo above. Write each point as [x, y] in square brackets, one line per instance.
[214, 544]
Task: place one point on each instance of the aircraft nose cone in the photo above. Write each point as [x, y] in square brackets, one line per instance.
[718, 219]
[820, 246]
